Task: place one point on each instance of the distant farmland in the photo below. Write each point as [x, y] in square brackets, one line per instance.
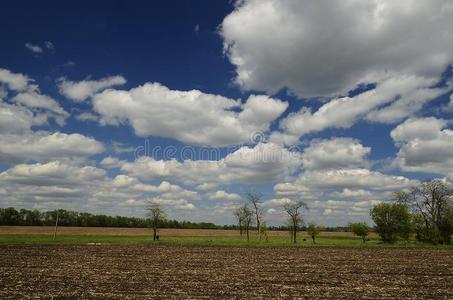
[115, 231]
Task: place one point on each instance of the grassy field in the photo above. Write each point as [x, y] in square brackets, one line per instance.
[139, 236]
[49, 230]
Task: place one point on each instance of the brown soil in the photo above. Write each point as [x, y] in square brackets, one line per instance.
[216, 272]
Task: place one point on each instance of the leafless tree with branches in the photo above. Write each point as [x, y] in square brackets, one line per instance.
[255, 199]
[157, 215]
[295, 218]
[244, 216]
[238, 214]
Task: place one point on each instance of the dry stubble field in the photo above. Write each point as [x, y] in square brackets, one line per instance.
[116, 271]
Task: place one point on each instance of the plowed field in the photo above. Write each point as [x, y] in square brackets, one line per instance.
[115, 271]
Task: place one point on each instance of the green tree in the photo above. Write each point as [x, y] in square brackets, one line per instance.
[432, 205]
[392, 221]
[360, 229]
[313, 231]
[10, 216]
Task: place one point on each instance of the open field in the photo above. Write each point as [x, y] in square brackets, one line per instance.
[121, 262]
[115, 231]
[282, 242]
[223, 272]
[23, 235]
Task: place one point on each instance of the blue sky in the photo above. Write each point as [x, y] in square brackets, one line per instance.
[338, 114]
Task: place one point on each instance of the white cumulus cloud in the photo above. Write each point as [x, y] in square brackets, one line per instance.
[81, 90]
[192, 117]
[425, 145]
[326, 48]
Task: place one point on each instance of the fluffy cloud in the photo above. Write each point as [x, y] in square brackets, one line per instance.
[167, 190]
[279, 202]
[51, 185]
[82, 90]
[418, 128]
[339, 195]
[333, 180]
[14, 81]
[15, 119]
[53, 173]
[49, 45]
[345, 210]
[222, 195]
[65, 185]
[34, 48]
[28, 107]
[44, 146]
[110, 162]
[174, 203]
[189, 116]
[119, 148]
[36, 101]
[360, 43]
[348, 193]
[261, 164]
[425, 146]
[403, 95]
[37, 49]
[334, 154]
[87, 116]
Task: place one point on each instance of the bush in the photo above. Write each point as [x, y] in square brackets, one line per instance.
[392, 221]
[360, 229]
[313, 230]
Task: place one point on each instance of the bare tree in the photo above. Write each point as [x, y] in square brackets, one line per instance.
[264, 231]
[295, 217]
[157, 215]
[255, 200]
[246, 215]
[238, 213]
[247, 221]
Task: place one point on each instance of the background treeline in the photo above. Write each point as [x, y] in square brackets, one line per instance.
[24, 217]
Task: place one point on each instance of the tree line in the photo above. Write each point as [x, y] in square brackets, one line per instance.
[24, 217]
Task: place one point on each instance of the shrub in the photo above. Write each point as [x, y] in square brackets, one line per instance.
[392, 221]
[360, 229]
